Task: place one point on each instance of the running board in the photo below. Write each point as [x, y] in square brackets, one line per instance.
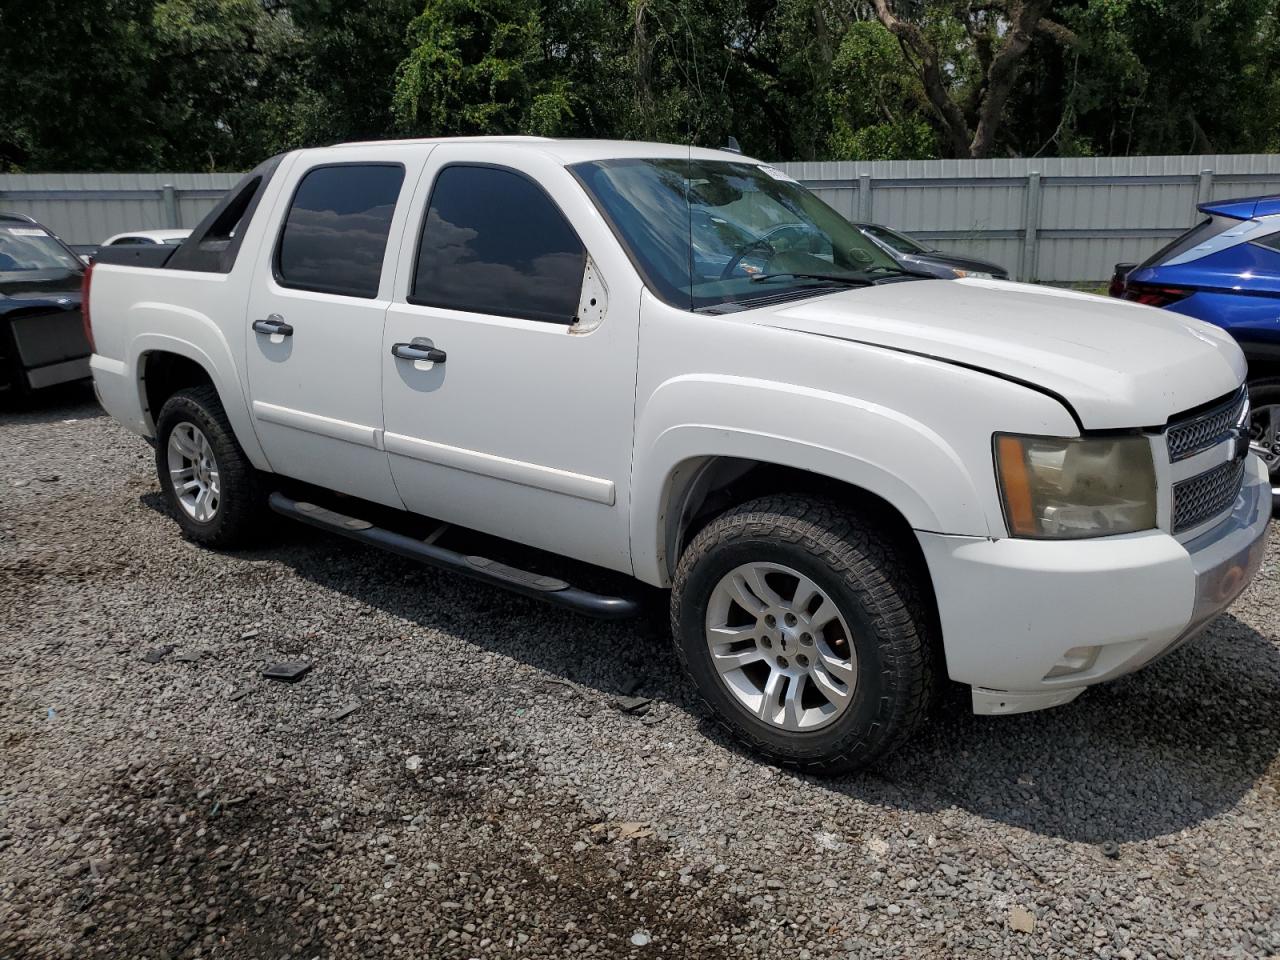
[547, 589]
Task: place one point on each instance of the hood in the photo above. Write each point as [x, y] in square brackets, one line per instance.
[59, 290]
[1118, 364]
[947, 260]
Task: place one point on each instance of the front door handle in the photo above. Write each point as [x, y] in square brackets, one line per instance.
[273, 324]
[416, 351]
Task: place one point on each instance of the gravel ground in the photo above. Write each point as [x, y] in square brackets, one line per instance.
[488, 798]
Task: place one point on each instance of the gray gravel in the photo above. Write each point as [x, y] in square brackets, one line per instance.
[486, 797]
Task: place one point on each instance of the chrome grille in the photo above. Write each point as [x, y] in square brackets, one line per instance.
[1190, 436]
[1205, 495]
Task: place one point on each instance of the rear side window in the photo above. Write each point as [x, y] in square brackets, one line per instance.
[335, 236]
[493, 242]
[1271, 242]
[1202, 231]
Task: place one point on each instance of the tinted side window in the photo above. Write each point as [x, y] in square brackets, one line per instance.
[335, 235]
[1271, 242]
[1202, 231]
[493, 242]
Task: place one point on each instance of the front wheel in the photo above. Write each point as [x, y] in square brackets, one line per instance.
[805, 632]
[1264, 429]
[210, 484]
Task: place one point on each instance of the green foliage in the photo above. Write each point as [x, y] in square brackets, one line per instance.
[221, 84]
[877, 105]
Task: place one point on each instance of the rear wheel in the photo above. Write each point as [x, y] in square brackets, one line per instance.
[1264, 428]
[805, 632]
[210, 484]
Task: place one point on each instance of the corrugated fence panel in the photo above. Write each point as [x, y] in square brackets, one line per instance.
[1091, 212]
[86, 208]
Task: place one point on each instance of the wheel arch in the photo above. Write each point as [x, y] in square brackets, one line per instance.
[699, 488]
[165, 365]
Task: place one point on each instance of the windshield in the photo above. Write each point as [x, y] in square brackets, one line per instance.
[30, 253]
[706, 232]
[894, 240]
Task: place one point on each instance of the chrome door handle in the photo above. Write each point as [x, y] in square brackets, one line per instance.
[273, 324]
[413, 351]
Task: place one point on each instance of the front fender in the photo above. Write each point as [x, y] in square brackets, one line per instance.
[878, 449]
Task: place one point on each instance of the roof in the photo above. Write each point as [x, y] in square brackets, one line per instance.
[575, 151]
[1243, 208]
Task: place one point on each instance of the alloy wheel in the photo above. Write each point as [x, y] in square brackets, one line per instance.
[193, 470]
[781, 646]
[1264, 431]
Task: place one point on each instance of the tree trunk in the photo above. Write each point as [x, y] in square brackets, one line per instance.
[1023, 17]
[913, 41]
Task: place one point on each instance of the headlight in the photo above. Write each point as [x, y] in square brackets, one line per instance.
[1059, 488]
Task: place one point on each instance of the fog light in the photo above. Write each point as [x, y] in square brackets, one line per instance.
[1075, 660]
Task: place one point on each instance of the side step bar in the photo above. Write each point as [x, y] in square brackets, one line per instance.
[547, 589]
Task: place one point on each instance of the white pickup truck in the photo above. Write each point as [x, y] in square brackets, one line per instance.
[681, 365]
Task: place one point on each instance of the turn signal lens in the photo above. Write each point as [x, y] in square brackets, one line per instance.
[85, 282]
[1070, 488]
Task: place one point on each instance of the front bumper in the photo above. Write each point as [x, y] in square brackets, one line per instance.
[1030, 623]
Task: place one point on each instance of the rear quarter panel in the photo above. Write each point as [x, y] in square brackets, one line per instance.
[137, 310]
[200, 316]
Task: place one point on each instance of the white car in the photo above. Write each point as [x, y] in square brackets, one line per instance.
[853, 481]
[144, 237]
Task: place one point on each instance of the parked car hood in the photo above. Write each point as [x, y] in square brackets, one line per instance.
[960, 263]
[58, 290]
[1117, 364]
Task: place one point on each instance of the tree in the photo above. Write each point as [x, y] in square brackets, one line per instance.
[348, 53]
[968, 59]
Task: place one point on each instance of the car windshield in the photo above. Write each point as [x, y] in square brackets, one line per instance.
[706, 233]
[893, 240]
[28, 252]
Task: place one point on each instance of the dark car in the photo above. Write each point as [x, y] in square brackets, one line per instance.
[42, 336]
[915, 256]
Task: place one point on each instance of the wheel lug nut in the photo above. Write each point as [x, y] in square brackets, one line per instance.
[802, 660]
[806, 639]
[791, 619]
[782, 662]
[770, 621]
[767, 642]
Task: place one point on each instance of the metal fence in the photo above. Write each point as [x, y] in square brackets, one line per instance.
[1056, 220]
[87, 208]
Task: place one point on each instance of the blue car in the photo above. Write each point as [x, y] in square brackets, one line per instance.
[1226, 270]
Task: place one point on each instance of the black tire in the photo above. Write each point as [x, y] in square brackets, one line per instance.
[1266, 392]
[876, 590]
[241, 505]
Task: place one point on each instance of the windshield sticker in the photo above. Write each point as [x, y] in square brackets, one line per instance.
[778, 174]
[27, 232]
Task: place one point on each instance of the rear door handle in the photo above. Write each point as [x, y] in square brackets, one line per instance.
[415, 351]
[273, 324]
